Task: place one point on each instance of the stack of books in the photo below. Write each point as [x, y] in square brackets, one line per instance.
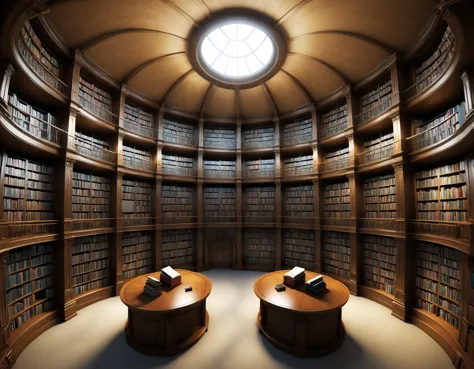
[170, 277]
[316, 286]
[295, 277]
[152, 287]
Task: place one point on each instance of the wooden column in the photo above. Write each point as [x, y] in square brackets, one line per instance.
[356, 264]
[3, 159]
[6, 71]
[116, 208]
[278, 169]
[76, 75]
[156, 213]
[278, 232]
[121, 108]
[277, 132]
[404, 279]
[66, 195]
[200, 265]
[238, 264]
[397, 133]
[71, 129]
[465, 325]
[5, 333]
[315, 121]
[315, 158]
[119, 149]
[318, 213]
[63, 266]
[159, 124]
[397, 85]
[116, 257]
[159, 157]
[352, 150]
[352, 108]
[238, 163]
[468, 85]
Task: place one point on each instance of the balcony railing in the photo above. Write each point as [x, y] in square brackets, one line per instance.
[41, 72]
[27, 229]
[298, 220]
[189, 141]
[136, 163]
[374, 112]
[97, 110]
[334, 165]
[93, 151]
[220, 219]
[84, 224]
[287, 172]
[139, 221]
[331, 131]
[378, 223]
[262, 173]
[213, 173]
[338, 222]
[377, 154]
[179, 220]
[37, 127]
[258, 219]
[458, 231]
[220, 145]
[258, 144]
[188, 172]
[139, 129]
[433, 135]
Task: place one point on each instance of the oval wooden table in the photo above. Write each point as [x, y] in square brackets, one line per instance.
[171, 323]
[300, 323]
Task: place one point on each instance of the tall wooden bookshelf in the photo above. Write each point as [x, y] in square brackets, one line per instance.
[299, 248]
[431, 131]
[43, 62]
[378, 148]
[298, 165]
[136, 199]
[441, 193]
[298, 202]
[380, 197]
[260, 137]
[261, 167]
[178, 203]
[298, 131]
[376, 101]
[36, 121]
[380, 263]
[337, 200]
[90, 263]
[219, 168]
[219, 203]
[337, 253]
[223, 138]
[179, 165]
[259, 203]
[433, 67]
[136, 254]
[95, 100]
[93, 147]
[334, 121]
[90, 197]
[137, 158]
[337, 159]
[438, 282]
[27, 190]
[178, 247]
[138, 120]
[179, 132]
[259, 246]
[29, 283]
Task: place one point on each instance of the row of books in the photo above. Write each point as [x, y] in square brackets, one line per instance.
[259, 137]
[298, 131]
[90, 286]
[334, 121]
[441, 171]
[178, 132]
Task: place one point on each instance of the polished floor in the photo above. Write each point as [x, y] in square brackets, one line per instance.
[94, 339]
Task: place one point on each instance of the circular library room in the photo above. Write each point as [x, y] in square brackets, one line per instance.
[228, 184]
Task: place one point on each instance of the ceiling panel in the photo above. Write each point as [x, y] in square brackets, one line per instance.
[351, 56]
[157, 78]
[285, 93]
[318, 79]
[132, 49]
[220, 103]
[79, 21]
[254, 103]
[274, 8]
[194, 8]
[189, 94]
[396, 23]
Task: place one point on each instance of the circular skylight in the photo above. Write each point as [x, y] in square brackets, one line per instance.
[237, 50]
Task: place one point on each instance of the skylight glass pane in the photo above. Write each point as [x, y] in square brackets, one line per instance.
[255, 39]
[220, 64]
[209, 52]
[254, 64]
[237, 50]
[218, 39]
[265, 51]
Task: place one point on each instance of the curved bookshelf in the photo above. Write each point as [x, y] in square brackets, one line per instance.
[333, 191]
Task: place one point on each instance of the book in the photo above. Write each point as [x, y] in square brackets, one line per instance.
[170, 272]
[280, 287]
[170, 277]
[294, 277]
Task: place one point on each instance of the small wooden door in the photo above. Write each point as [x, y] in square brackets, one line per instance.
[221, 253]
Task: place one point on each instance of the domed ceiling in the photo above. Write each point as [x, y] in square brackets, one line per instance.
[330, 43]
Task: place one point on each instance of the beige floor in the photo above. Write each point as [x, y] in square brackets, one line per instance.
[94, 339]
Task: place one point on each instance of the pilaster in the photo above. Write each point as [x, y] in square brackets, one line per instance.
[468, 86]
[76, 77]
[66, 195]
[5, 333]
[6, 70]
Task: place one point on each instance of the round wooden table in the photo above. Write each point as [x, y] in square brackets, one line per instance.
[168, 324]
[300, 323]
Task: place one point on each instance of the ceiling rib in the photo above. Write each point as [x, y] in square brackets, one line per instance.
[146, 64]
[175, 7]
[175, 85]
[208, 9]
[299, 85]
[270, 99]
[356, 35]
[341, 75]
[292, 11]
[105, 36]
[204, 100]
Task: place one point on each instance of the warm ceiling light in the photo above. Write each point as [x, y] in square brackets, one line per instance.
[237, 50]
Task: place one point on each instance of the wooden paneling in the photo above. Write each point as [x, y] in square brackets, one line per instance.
[189, 95]
[254, 104]
[285, 93]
